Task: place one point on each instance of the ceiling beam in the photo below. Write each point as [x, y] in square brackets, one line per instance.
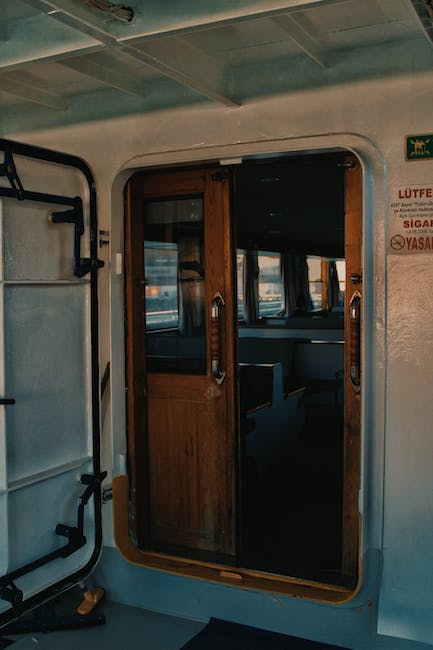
[183, 63]
[73, 15]
[302, 36]
[39, 39]
[70, 14]
[31, 93]
[109, 76]
[150, 23]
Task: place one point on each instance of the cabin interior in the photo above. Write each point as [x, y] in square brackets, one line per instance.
[215, 364]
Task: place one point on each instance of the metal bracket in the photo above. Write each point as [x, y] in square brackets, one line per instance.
[75, 534]
[9, 170]
[12, 595]
[76, 540]
[104, 238]
[356, 278]
[349, 164]
[107, 494]
[73, 215]
[82, 265]
[222, 175]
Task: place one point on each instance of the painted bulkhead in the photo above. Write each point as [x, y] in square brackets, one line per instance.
[360, 109]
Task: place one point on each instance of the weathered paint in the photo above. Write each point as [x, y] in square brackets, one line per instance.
[370, 117]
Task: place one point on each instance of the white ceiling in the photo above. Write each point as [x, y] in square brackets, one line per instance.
[63, 61]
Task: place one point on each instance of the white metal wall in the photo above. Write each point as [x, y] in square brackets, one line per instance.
[372, 118]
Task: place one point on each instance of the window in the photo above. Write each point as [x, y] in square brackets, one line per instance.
[240, 262]
[326, 281]
[271, 292]
[161, 264]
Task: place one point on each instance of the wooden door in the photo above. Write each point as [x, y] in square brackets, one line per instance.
[352, 411]
[180, 360]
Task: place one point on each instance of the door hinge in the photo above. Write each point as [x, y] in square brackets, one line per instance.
[11, 594]
[82, 265]
[107, 494]
[221, 175]
[9, 170]
[104, 238]
[348, 164]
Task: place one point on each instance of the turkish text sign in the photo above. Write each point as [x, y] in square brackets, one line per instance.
[411, 219]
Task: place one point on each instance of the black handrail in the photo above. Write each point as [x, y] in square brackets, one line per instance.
[17, 192]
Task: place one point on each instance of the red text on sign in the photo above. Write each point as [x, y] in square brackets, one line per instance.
[416, 193]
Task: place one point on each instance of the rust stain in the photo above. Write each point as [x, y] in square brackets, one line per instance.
[212, 392]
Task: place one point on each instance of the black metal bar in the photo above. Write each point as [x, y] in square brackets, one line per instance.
[75, 535]
[9, 170]
[66, 160]
[6, 401]
[40, 197]
[82, 266]
[52, 623]
[105, 379]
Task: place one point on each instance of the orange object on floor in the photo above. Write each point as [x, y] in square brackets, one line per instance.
[90, 599]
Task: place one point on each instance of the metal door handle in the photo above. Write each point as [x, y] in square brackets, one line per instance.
[6, 401]
[355, 340]
[216, 337]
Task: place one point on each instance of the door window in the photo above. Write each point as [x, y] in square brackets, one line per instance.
[271, 293]
[175, 285]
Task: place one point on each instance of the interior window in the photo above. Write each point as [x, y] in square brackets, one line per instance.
[240, 263]
[341, 274]
[326, 281]
[271, 293]
[315, 282]
[162, 300]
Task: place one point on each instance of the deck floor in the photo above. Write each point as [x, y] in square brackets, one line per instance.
[125, 627]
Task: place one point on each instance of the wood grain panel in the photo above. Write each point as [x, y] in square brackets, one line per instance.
[213, 572]
[352, 416]
[188, 482]
[135, 357]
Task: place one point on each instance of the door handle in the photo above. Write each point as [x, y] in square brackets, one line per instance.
[217, 305]
[6, 401]
[355, 340]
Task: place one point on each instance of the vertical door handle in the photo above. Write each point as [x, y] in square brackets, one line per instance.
[355, 340]
[217, 305]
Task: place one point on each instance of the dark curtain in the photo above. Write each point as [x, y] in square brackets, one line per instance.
[251, 288]
[294, 273]
[333, 285]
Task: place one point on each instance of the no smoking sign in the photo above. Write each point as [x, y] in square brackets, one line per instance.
[411, 219]
[397, 242]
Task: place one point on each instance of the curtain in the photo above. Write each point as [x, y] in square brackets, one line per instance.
[333, 285]
[294, 273]
[251, 288]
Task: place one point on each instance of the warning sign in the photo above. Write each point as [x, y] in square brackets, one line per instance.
[411, 223]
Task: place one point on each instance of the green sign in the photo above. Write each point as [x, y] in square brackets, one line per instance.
[419, 147]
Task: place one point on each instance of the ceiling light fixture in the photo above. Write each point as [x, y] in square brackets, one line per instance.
[119, 12]
[424, 9]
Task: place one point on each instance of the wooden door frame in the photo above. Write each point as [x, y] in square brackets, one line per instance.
[124, 498]
[135, 328]
[352, 401]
